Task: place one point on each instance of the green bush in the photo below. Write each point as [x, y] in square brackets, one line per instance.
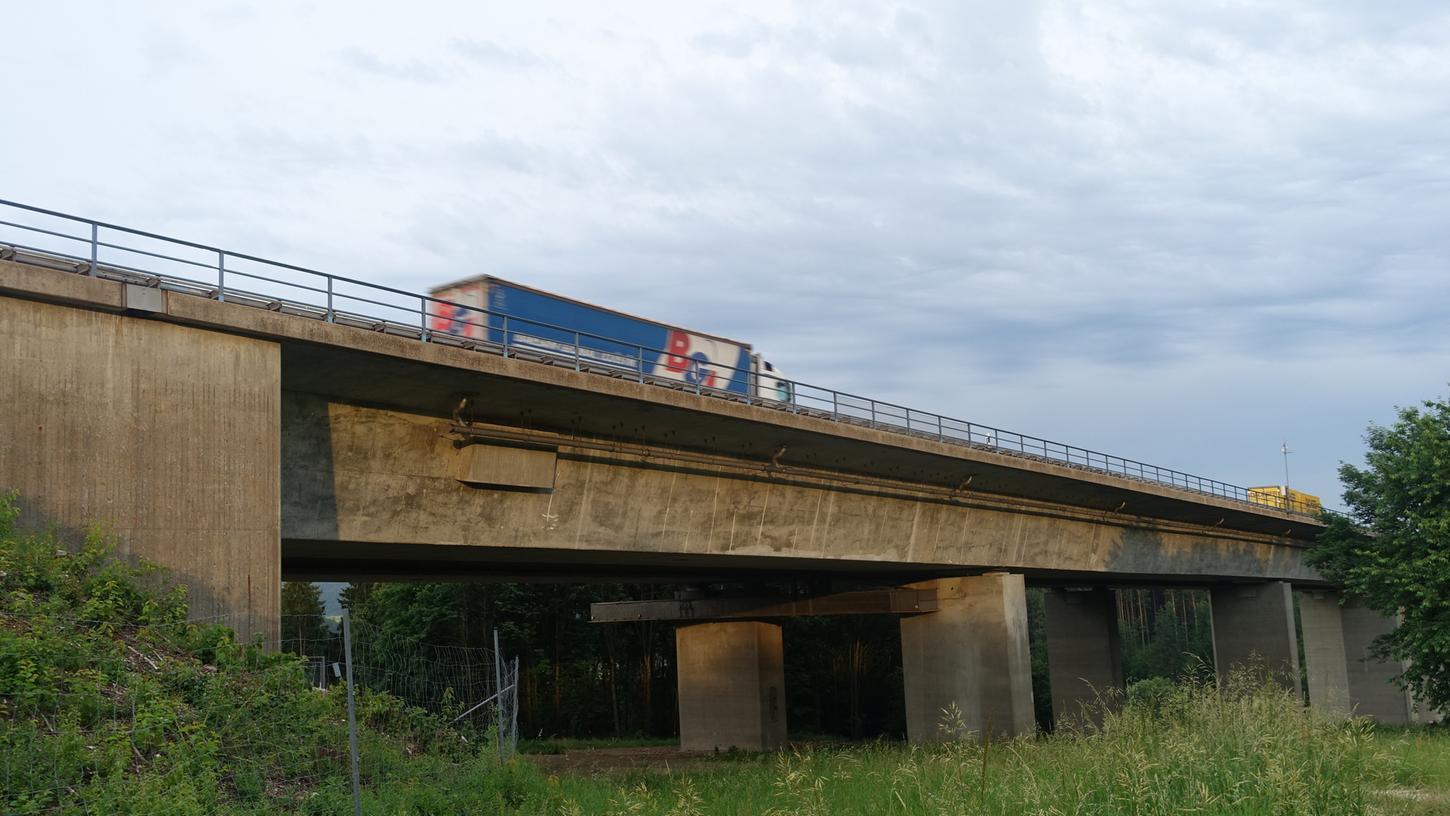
[111, 702]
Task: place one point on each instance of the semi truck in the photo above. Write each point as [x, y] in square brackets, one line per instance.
[522, 318]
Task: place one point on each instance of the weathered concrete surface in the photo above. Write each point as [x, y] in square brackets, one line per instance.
[972, 654]
[1253, 627]
[167, 435]
[731, 686]
[1372, 690]
[1084, 655]
[365, 476]
[1325, 667]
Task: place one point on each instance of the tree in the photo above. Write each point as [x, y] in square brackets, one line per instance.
[1394, 551]
[302, 613]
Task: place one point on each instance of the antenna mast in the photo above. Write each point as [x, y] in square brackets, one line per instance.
[1284, 449]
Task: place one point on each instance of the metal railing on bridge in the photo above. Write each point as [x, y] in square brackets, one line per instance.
[83, 246]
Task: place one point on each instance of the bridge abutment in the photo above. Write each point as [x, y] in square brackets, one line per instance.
[731, 686]
[1084, 654]
[1253, 628]
[971, 656]
[163, 435]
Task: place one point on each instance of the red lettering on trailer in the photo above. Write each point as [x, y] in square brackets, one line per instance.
[677, 351]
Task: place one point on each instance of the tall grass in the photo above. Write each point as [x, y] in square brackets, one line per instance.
[1246, 747]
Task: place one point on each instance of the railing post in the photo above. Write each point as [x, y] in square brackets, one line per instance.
[835, 405]
[330, 315]
[221, 276]
[640, 350]
[95, 248]
[940, 437]
[873, 411]
[423, 319]
[505, 335]
[576, 351]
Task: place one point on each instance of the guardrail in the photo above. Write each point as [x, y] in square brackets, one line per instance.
[83, 246]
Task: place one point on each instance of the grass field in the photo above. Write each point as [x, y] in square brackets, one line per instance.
[1251, 750]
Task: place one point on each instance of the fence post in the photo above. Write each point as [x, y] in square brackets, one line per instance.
[95, 247]
[330, 316]
[576, 365]
[514, 711]
[351, 714]
[423, 319]
[498, 697]
[221, 276]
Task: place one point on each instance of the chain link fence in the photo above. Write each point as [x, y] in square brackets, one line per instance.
[91, 709]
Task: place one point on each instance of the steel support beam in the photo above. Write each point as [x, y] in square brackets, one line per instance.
[860, 602]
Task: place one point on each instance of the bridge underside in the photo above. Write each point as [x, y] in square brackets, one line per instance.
[377, 491]
[333, 560]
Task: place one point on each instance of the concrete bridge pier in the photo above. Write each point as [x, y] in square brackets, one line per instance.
[1325, 664]
[972, 653]
[1253, 626]
[1084, 654]
[731, 686]
[1372, 690]
[1344, 676]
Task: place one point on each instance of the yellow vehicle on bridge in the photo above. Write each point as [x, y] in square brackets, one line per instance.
[1286, 498]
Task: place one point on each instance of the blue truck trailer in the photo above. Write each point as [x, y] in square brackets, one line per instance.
[521, 317]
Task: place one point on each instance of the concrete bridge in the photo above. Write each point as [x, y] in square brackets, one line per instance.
[239, 438]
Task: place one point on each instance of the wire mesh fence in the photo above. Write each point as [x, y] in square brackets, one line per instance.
[94, 714]
[472, 689]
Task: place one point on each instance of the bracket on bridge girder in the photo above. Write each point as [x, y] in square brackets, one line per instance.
[856, 602]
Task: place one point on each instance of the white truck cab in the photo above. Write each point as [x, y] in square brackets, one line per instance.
[770, 383]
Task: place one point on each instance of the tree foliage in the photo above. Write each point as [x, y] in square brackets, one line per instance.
[1394, 553]
[302, 615]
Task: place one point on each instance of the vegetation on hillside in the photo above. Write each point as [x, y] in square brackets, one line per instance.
[112, 703]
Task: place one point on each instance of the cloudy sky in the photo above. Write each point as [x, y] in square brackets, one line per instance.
[1180, 232]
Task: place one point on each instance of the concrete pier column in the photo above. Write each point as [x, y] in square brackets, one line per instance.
[1253, 625]
[1372, 690]
[1322, 627]
[972, 652]
[1084, 655]
[732, 686]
